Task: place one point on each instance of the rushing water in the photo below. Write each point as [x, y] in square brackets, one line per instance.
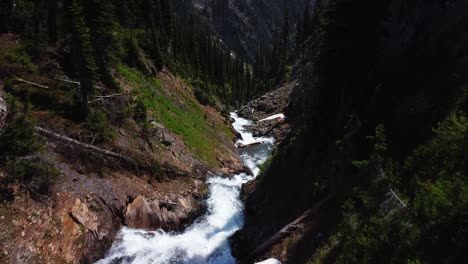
[206, 241]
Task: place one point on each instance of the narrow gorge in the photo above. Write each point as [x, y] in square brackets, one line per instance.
[233, 131]
[205, 241]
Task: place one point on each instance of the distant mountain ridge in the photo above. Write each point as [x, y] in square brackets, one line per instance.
[245, 24]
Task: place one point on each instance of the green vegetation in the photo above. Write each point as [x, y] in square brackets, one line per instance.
[186, 119]
[436, 192]
[94, 42]
[383, 131]
[20, 146]
[17, 56]
[82, 50]
[93, 37]
[98, 127]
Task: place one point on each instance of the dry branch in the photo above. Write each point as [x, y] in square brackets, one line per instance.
[102, 97]
[69, 81]
[392, 193]
[109, 96]
[32, 83]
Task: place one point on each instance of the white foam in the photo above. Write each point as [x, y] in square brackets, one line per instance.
[206, 241]
[269, 261]
[241, 125]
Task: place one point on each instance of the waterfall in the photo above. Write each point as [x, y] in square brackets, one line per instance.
[206, 240]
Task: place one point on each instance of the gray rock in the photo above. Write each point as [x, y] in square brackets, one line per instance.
[156, 214]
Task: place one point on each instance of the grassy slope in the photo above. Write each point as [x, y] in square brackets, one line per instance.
[180, 113]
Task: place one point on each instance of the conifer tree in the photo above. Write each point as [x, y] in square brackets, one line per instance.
[6, 9]
[283, 49]
[167, 21]
[124, 13]
[52, 20]
[152, 11]
[304, 24]
[81, 45]
[101, 20]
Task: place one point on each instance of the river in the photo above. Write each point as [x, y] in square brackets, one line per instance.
[206, 240]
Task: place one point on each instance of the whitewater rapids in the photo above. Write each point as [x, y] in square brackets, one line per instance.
[206, 241]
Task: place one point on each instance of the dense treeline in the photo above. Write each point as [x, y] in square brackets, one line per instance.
[382, 128]
[93, 37]
[77, 58]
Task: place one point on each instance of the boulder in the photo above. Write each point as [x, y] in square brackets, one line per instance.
[157, 214]
[141, 214]
[82, 215]
[166, 138]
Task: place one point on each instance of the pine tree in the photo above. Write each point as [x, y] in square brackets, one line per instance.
[101, 20]
[167, 22]
[6, 10]
[283, 48]
[124, 13]
[52, 20]
[157, 57]
[310, 21]
[152, 11]
[304, 25]
[315, 19]
[83, 51]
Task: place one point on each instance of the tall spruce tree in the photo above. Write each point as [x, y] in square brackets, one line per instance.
[6, 9]
[283, 49]
[52, 9]
[83, 53]
[101, 20]
[167, 22]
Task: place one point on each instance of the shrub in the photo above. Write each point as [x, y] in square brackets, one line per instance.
[19, 138]
[33, 174]
[19, 145]
[98, 127]
[140, 112]
[15, 60]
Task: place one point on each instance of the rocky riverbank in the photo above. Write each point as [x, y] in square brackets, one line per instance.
[153, 178]
[260, 109]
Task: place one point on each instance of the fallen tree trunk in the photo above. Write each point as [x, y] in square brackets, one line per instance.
[31, 83]
[111, 95]
[288, 228]
[103, 97]
[71, 141]
[82, 145]
[68, 81]
[241, 146]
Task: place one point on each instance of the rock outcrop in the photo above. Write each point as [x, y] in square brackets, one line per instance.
[168, 215]
[272, 103]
